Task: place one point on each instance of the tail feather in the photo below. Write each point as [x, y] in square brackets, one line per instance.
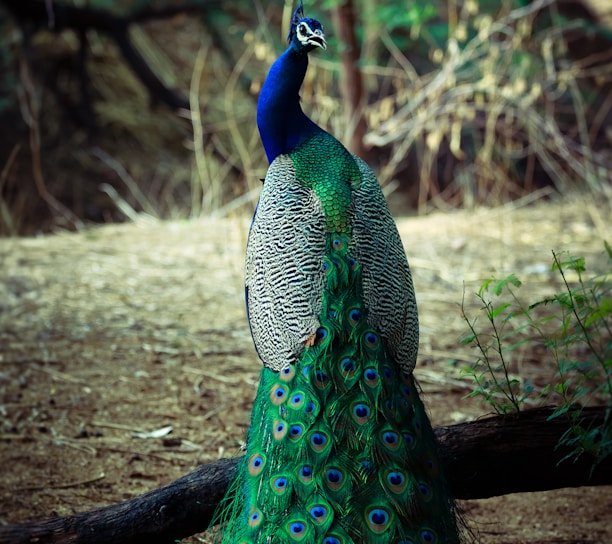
[340, 449]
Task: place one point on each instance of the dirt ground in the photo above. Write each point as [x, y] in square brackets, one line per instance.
[113, 333]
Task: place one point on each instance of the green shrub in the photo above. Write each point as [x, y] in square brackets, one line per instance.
[574, 326]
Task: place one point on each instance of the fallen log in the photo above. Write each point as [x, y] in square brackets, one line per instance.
[484, 458]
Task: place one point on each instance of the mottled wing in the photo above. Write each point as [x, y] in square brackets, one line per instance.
[387, 283]
[283, 277]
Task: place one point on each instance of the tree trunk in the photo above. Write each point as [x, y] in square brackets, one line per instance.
[484, 458]
[351, 79]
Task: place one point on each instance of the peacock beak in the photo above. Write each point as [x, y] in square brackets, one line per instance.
[318, 39]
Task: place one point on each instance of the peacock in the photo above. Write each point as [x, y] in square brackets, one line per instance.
[340, 449]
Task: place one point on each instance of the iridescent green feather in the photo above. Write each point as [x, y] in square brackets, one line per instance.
[340, 448]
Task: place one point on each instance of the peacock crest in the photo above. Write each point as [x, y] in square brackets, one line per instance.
[308, 32]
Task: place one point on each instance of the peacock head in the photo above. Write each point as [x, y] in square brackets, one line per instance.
[305, 33]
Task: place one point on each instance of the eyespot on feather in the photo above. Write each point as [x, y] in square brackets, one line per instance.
[321, 335]
[279, 484]
[425, 491]
[396, 481]
[390, 439]
[347, 367]
[296, 400]
[319, 441]
[371, 377]
[371, 340]
[305, 474]
[335, 478]
[256, 464]
[354, 315]
[287, 373]
[360, 412]
[297, 530]
[378, 519]
[428, 536]
[255, 518]
[320, 513]
[280, 430]
[296, 431]
[321, 380]
[312, 408]
[338, 243]
[278, 394]
[409, 438]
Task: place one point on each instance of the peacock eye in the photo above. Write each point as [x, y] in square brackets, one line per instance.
[302, 28]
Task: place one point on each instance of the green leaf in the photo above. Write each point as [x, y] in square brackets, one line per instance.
[600, 312]
[559, 412]
[496, 311]
[467, 339]
[578, 264]
[484, 287]
[561, 388]
[502, 284]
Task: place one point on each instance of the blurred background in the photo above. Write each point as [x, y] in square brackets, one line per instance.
[116, 111]
[110, 109]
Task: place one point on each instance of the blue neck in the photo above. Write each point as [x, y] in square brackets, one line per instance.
[282, 123]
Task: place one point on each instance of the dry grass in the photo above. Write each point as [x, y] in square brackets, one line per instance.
[506, 106]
